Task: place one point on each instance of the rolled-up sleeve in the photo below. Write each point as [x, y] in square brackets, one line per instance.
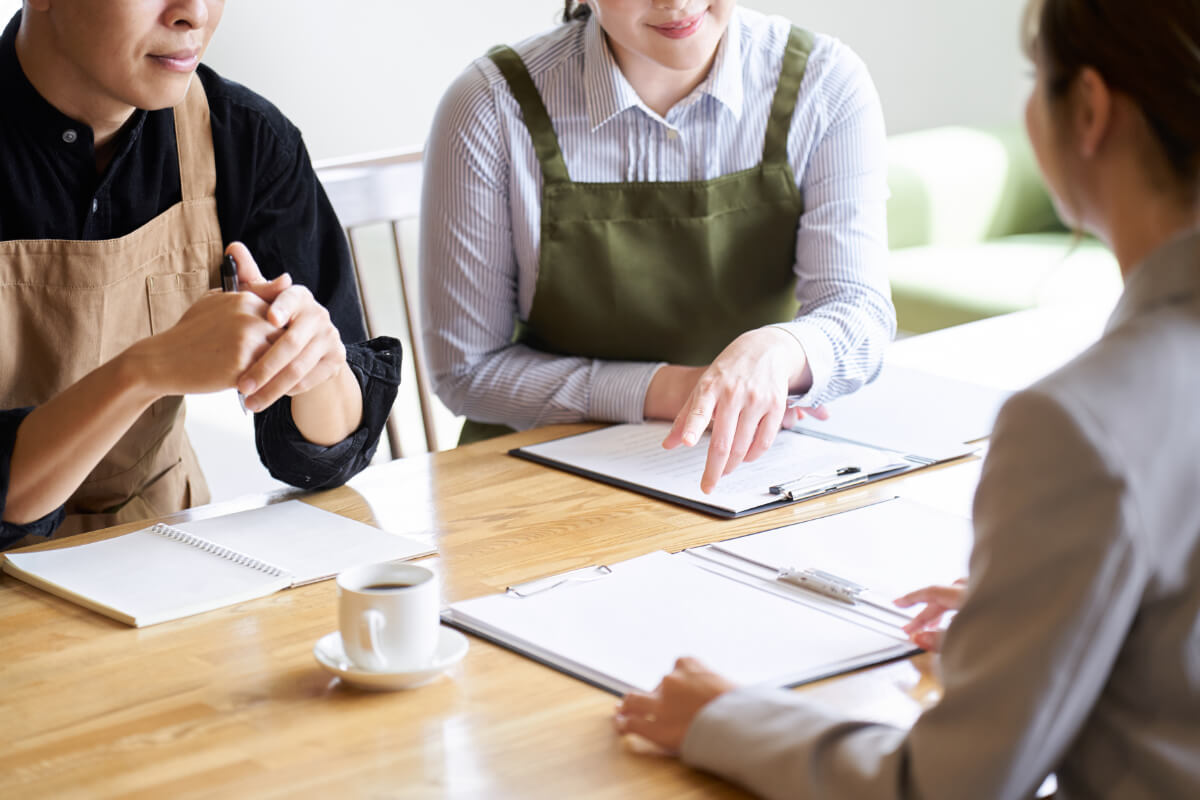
[291, 458]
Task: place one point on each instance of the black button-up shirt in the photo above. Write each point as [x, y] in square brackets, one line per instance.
[267, 196]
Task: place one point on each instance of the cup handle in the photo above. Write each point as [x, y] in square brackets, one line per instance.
[371, 624]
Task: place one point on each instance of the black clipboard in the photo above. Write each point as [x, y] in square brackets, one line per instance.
[899, 464]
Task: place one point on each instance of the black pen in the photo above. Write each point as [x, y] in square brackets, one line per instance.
[229, 283]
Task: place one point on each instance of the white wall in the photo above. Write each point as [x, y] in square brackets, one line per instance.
[363, 75]
[935, 62]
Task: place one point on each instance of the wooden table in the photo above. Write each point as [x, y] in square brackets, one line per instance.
[232, 703]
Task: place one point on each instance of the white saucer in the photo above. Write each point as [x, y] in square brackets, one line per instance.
[451, 647]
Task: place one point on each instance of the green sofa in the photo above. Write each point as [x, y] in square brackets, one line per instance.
[973, 233]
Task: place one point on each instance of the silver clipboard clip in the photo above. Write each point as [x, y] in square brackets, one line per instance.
[815, 483]
[530, 588]
[820, 582]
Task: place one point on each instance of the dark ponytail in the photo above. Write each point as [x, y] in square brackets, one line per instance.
[573, 9]
[1151, 53]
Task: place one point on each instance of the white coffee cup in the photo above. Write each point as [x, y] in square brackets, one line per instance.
[388, 616]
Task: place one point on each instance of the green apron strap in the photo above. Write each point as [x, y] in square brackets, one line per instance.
[537, 119]
[791, 74]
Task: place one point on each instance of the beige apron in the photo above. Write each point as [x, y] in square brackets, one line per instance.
[66, 307]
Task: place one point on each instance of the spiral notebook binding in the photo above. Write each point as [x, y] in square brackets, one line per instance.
[226, 553]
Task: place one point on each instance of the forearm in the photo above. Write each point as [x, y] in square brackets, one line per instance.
[62, 441]
[778, 745]
[290, 457]
[526, 388]
[328, 413]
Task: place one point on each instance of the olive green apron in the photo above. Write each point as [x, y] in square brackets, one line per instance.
[66, 307]
[660, 271]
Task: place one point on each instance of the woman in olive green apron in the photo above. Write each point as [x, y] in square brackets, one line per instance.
[647, 271]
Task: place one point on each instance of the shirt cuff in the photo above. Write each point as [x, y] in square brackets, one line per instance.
[289, 457]
[10, 534]
[619, 390]
[819, 352]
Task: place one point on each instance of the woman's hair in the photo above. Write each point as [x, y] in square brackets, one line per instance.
[573, 9]
[1148, 51]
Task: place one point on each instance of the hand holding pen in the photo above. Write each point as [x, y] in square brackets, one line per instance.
[308, 350]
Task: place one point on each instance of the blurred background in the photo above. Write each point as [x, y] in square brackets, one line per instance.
[363, 75]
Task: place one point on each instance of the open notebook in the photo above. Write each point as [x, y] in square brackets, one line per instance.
[620, 627]
[905, 420]
[163, 572]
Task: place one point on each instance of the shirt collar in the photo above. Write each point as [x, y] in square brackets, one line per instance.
[608, 92]
[1170, 274]
[39, 118]
[725, 82]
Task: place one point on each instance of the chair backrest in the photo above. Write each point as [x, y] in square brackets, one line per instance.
[376, 191]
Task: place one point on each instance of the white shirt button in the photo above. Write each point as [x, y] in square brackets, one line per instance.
[69, 136]
[672, 135]
[95, 205]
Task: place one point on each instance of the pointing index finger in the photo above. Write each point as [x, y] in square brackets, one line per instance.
[691, 421]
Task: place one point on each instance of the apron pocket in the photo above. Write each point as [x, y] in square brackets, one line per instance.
[173, 294]
[165, 494]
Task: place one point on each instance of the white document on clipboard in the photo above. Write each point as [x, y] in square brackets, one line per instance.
[904, 420]
[631, 456]
[621, 626]
[911, 411]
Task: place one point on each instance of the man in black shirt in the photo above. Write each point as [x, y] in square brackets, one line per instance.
[125, 169]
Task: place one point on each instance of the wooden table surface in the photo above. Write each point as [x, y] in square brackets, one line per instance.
[231, 703]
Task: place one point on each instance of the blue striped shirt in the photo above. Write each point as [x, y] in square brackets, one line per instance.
[480, 227]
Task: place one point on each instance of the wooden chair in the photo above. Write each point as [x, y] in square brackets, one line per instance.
[370, 194]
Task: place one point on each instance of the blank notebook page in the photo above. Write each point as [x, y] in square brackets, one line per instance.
[306, 541]
[149, 577]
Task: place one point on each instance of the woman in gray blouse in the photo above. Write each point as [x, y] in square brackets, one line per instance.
[1077, 646]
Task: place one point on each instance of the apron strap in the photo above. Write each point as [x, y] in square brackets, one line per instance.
[537, 119]
[791, 75]
[194, 144]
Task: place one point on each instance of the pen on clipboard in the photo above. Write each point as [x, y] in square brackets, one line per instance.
[229, 283]
[815, 483]
[819, 582]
